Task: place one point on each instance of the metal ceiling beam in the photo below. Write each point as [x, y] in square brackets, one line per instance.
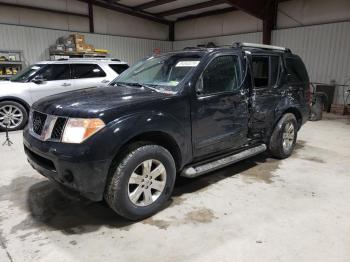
[152, 4]
[192, 7]
[209, 13]
[43, 9]
[129, 11]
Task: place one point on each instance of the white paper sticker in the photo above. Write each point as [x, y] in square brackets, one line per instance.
[187, 64]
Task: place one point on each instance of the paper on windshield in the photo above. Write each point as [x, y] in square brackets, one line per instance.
[187, 64]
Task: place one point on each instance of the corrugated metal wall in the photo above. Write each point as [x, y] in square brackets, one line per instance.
[35, 43]
[325, 50]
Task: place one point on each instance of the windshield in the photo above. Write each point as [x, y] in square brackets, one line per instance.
[26, 73]
[162, 73]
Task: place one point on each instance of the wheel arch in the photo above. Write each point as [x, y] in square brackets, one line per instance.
[160, 138]
[16, 99]
[295, 112]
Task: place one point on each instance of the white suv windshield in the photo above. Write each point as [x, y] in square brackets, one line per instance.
[163, 73]
[26, 73]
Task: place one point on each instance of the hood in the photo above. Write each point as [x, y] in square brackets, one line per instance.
[96, 101]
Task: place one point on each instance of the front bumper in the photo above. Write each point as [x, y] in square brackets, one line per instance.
[80, 167]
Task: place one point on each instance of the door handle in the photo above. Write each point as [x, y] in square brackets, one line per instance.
[66, 84]
[105, 81]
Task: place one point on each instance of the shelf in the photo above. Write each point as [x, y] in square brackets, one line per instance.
[11, 63]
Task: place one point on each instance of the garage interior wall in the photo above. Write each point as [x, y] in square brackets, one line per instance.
[317, 30]
[33, 31]
[35, 42]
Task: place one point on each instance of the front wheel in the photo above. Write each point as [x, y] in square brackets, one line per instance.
[142, 182]
[284, 136]
[13, 116]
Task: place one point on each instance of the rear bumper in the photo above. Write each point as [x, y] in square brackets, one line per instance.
[77, 167]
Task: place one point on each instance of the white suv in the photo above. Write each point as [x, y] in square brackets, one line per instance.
[48, 78]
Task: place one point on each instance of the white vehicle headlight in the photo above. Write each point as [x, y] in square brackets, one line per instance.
[79, 129]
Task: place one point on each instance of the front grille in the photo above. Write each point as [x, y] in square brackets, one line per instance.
[38, 122]
[58, 128]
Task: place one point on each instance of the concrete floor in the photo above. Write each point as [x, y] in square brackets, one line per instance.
[261, 209]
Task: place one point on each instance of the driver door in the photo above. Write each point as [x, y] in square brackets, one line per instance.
[219, 108]
[56, 78]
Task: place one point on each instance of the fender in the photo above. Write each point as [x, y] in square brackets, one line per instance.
[128, 127]
[288, 104]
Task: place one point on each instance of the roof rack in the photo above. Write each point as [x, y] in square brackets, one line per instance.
[90, 58]
[261, 46]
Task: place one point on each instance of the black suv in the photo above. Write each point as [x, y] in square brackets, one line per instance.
[182, 113]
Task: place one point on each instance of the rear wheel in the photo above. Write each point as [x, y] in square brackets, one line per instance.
[12, 115]
[283, 138]
[142, 182]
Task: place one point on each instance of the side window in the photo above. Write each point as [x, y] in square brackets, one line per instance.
[87, 71]
[260, 66]
[296, 70]
[221, 75]
[275, 70]
[56, 72]
[119, 68]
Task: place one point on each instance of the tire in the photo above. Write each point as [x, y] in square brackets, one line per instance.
[19, 117]
[121, 196]
[278, 147]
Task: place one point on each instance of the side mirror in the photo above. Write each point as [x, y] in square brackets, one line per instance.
[199, 86]
[38, 80]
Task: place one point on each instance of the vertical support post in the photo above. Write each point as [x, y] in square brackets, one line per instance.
[172, 31]
[267, 30]
[91, 16]
[269, 21]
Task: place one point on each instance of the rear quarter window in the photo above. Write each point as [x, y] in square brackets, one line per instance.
[119, 68]
[296, 70]
[87, 71]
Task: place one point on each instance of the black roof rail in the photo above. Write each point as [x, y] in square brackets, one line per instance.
[261, 46]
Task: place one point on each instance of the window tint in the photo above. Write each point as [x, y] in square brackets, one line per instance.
[119, 68]
[296, 70]
[221, 75]
[260, 71]
[55, 72]
[275, 70]
[87, 71]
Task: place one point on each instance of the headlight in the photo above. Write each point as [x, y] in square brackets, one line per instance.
[79, 129]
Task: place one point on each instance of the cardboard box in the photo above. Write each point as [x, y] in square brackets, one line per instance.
[79, 48]
[78, 39]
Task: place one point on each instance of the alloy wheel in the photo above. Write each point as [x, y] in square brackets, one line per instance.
[147, 182]
[288, 136]
[10, 116]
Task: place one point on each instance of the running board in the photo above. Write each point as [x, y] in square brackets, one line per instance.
[194, 171]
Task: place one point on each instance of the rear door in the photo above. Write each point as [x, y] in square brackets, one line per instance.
[219, 108]
[57, 79]
[87, 75]
[266, 90]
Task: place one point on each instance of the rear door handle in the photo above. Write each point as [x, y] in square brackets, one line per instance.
[105, 81]
[66, 84]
